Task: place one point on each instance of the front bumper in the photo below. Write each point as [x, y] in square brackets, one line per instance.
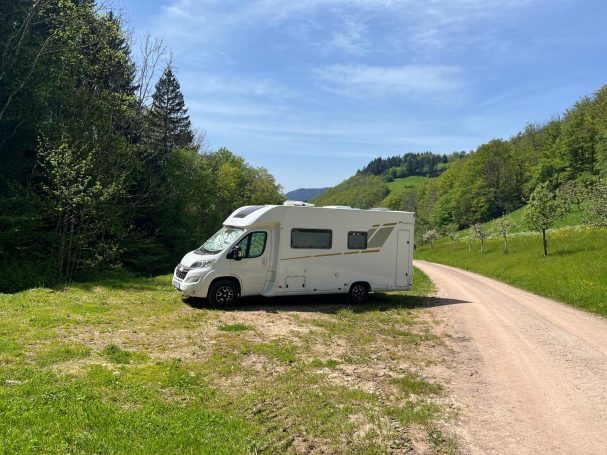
[190, 281]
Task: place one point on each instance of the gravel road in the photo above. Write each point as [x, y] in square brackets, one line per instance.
[529, 374]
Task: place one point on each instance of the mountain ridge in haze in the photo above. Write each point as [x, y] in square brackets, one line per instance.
[305, 194]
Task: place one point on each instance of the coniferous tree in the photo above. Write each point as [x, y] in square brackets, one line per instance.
[169, 126]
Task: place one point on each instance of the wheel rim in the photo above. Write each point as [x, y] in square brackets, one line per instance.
[359, 293]
[224, 295]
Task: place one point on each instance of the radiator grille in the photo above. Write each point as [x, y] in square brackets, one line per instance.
[181, 272]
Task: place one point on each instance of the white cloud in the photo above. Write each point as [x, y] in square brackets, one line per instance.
[430, 23]
[364, 80]
[258, 87]
[352, 38]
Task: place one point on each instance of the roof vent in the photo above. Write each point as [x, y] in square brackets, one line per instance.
[379, 209]
[297, 204]
[336, 207]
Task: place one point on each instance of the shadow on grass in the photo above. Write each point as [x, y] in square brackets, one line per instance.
[124, 281]
[327, 304]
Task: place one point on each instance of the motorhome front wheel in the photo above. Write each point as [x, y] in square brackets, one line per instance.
[223, 292]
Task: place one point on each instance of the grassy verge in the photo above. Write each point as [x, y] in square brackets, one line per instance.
[574, 272]
[124, 366]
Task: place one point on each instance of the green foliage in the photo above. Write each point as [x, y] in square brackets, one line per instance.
[411, 164]
[569, 152]
[543, 210]
[502, 227]
[90, 176]
[403, 193]
[478, 231]
[402, 198]
[451, 232]
[594, 206]
[361, 191]
[168, 125]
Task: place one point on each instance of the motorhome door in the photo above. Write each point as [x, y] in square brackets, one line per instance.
[253, 267]
[402, 258]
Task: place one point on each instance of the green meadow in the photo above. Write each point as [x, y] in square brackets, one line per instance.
[574, 272]
[122, 365]
[411, 181]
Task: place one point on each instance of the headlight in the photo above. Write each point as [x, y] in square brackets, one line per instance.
[202, 264]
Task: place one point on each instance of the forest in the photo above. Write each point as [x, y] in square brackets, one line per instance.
[566, 156]
[425, 164]
[100, 167]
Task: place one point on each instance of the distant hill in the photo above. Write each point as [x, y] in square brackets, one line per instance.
[305, 194]
[360, 191]
[391, 182]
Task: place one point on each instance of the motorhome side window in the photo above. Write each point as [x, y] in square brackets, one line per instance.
[253, 245]
[357, 240]
[320, 239]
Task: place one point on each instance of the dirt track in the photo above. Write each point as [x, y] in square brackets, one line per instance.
[529, 373]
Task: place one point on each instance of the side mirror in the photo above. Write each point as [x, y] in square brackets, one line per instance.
[235, 253]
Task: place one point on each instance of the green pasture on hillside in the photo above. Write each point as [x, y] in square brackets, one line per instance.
[572, 218]
[411, 181]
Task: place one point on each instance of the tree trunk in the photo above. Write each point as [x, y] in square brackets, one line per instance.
[482, 246]
[505, 245]
[545, 242]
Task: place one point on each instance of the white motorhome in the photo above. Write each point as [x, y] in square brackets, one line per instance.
[297, 248]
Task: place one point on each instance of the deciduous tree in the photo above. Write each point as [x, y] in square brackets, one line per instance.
[544, 209]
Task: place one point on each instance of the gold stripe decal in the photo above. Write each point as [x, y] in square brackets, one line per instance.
[370, 251]
[328, 254]
[299, 257]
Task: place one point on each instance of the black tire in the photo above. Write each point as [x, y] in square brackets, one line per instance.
[358, 294]
[223, 292]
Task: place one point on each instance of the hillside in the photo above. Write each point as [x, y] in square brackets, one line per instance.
[361, 191]
[388, 182]
[568, 153]
[305, 194]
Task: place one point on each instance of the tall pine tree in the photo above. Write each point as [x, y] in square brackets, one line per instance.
[169, 126]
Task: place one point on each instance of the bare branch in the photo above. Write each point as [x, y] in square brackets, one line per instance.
[153, 57]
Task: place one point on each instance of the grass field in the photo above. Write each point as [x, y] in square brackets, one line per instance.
[122, 365]
[413, 180]
[574, 272]
[572, 218]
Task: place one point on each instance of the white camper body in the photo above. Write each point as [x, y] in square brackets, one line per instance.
[296, 249]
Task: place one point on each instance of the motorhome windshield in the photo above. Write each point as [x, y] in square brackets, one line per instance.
[220, 240]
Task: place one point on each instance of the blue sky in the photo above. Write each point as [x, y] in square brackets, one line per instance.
[314, 89]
